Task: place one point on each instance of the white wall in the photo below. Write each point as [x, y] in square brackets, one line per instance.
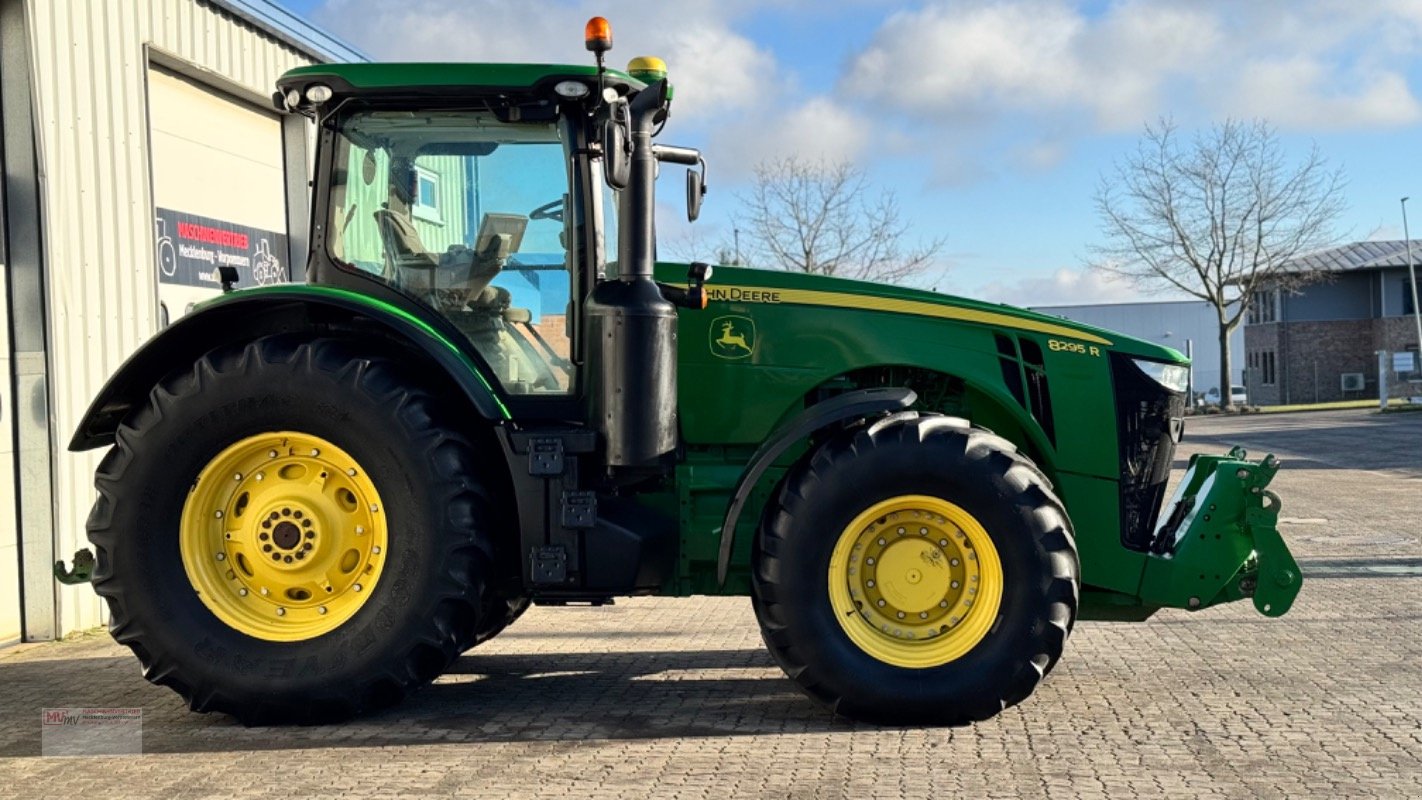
[90, 58]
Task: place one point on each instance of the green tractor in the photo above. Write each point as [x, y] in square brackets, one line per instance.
[489, 394]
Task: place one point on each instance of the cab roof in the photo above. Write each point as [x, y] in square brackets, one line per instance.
[447, 77]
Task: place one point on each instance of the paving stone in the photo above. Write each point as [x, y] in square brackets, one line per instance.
[677, 698]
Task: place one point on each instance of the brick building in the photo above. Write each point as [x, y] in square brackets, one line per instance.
[1310, 345]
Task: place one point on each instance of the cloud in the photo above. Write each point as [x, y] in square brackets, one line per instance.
[714, 68]
[1297, 93]
[817, 129]
[1065, 286]
[1310, 65]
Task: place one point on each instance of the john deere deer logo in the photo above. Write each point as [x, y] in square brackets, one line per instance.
[732, 337]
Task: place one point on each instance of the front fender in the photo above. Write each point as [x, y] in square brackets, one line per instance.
[248, 314]
[850, 405]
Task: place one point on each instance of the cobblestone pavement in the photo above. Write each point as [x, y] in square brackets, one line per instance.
[673, 698]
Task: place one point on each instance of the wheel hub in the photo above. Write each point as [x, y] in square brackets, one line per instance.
[915, 581]
[283, 536]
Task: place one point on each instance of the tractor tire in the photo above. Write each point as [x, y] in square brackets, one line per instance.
[217, 582]
[915, 570]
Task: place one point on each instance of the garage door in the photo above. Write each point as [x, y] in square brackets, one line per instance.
[218, 191]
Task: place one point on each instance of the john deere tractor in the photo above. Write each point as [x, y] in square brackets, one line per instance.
[489, 394]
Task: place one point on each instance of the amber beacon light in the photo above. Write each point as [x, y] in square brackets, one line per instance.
[597, 35]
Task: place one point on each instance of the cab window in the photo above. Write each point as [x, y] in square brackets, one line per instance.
[467, 215]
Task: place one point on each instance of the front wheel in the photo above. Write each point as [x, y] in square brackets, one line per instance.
[916, 571]
[293, 532]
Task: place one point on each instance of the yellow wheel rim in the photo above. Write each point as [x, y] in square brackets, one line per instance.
[915, 581]
[283, 536]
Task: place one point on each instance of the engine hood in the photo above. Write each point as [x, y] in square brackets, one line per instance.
[738, 284]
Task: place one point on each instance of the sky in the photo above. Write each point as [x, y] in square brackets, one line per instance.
[992, 122]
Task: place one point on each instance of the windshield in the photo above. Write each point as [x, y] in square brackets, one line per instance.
[466, 214]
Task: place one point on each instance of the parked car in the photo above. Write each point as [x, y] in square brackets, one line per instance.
[1237, 397]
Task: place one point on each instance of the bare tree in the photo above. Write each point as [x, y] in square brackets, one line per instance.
[1217, 218]
[818, 217]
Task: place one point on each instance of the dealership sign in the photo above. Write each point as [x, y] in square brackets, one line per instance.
[190, 248]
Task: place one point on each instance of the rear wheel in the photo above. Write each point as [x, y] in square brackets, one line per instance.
[291, 531]
[916, 570]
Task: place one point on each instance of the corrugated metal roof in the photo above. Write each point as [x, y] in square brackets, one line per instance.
[1357, 256]
[291, 29]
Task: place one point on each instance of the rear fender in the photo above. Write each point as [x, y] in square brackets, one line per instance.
[249, 314]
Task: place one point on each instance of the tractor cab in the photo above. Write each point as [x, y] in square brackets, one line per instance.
[490, 195]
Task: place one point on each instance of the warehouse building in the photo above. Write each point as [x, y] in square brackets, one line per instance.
[1189, 326]
[139, 152]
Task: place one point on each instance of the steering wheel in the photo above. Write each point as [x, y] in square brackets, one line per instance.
[553, 211]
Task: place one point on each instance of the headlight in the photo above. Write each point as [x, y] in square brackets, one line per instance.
[571, 89]
[318, 93]
[1175, 377]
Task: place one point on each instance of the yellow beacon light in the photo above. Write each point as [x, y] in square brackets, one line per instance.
[647, 69]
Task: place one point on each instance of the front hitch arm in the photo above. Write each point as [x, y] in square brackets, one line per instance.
[1219, 540]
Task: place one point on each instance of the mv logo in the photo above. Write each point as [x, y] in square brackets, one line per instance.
[732, 337]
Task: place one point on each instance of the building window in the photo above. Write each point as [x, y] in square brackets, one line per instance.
[1263, 307]
[1266, 368]
[1406, 296]
[427, 195]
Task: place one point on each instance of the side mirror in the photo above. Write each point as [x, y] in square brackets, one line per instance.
[617, 162]
[695, 191]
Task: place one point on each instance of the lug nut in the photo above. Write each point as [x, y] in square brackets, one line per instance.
[259, 476]
[942, 603]
[321, 610]
[923, 615]
[359, 530]
[869, 583]
[242, 592]
[901, 615]
[281, 612]
[221, 556]
[882, 603]
[922, 531]
[264, 591]
[882, 542]
[375, 550]
[315, 452]
[357, 587]
[351, 472]
[942, 542]
[374, 508]
[954, 584]
[271, 454]
[237, 477]
[217, 514]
